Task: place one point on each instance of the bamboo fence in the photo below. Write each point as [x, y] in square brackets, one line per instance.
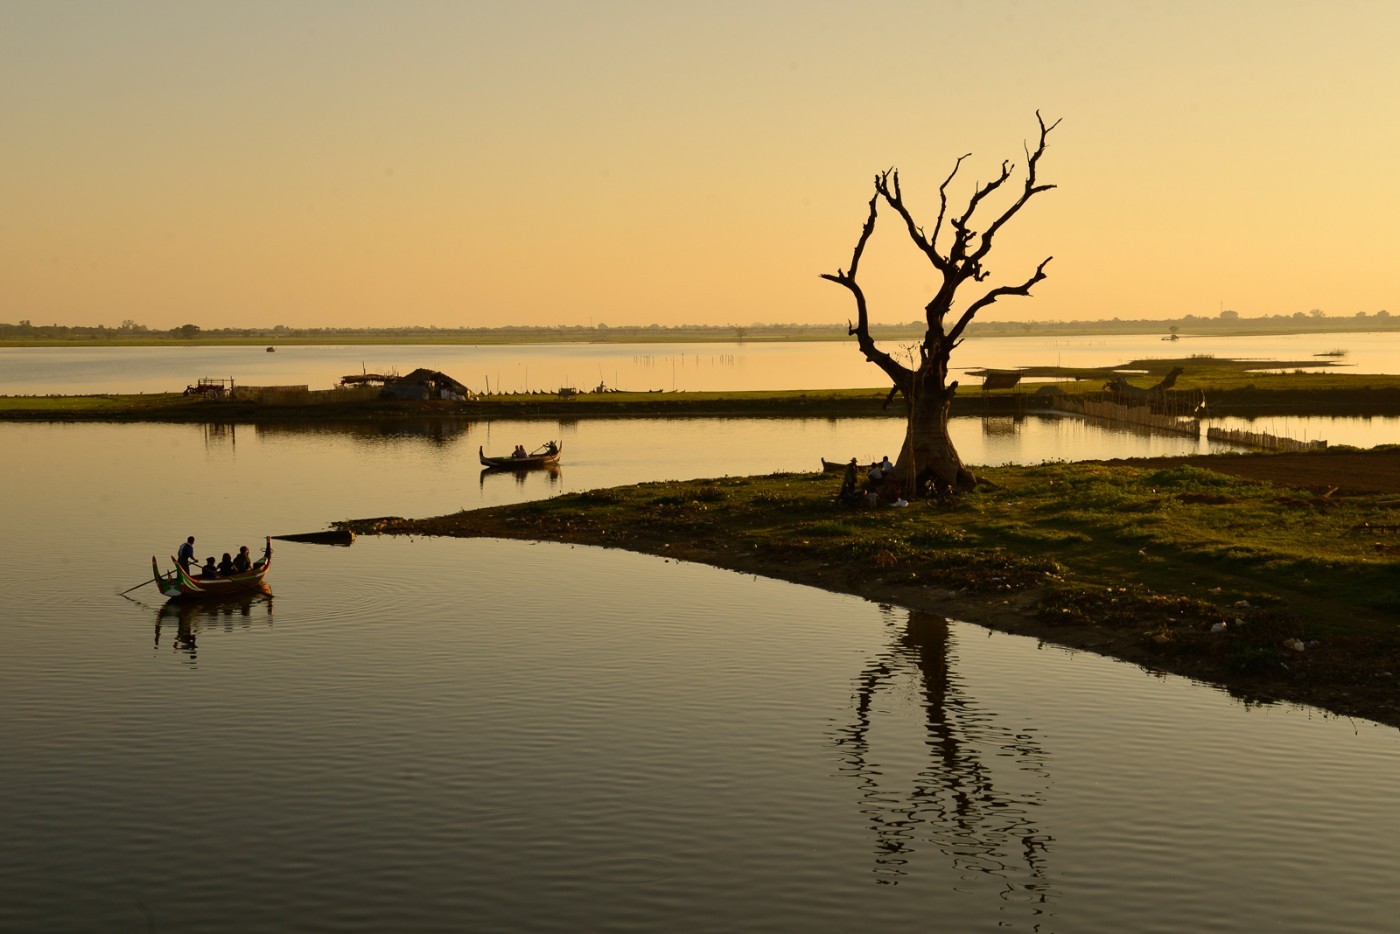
[1129, 415]
[1262, 440]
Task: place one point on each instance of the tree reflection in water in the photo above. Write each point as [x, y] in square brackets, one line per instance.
[951, 799]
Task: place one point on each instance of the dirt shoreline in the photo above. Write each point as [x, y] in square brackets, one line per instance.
[1372, 693]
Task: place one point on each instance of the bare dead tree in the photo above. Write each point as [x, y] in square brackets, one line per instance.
[928, 454]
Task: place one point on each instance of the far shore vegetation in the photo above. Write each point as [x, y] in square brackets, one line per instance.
[1228, 387]
[1226, 323]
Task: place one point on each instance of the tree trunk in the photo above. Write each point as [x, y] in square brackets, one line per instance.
[928, 454]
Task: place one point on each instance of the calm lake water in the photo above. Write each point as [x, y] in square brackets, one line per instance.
[424, 734]
[682, 367]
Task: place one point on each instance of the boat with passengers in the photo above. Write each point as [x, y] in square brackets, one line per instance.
[546, 456]
[179, 584]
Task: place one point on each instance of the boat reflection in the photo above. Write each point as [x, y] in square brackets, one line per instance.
[972, 789]
[553, 473]
[189, 617]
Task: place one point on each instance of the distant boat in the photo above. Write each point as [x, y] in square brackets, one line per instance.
[179, 585]
[547, 457]
[272, 350]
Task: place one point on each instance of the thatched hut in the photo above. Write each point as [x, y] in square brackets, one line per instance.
[424, 384]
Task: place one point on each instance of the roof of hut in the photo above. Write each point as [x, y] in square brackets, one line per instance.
[433, 377]
[1000, 379]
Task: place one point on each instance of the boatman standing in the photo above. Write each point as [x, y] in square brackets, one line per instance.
[185, 554]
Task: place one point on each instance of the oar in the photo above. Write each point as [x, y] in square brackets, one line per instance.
[149, 580]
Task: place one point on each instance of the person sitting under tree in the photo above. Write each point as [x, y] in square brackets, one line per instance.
[848, 484]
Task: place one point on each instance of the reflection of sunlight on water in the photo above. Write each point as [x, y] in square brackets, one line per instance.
[300, 478]
[1034, 439]
[665, 367]
[1362, 431]
[683, 370]
[506, 730]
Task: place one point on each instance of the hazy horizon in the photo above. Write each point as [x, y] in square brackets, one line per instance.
[1297, 322]
[339, 164]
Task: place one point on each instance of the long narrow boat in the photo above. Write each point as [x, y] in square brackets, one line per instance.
[179, 585]
[549, 457]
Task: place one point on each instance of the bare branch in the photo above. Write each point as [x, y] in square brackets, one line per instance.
[943, 197]
[899, 375]
[1023, 289]
[887, 185]
[1031, 189]
[983, 191]
[963, 260]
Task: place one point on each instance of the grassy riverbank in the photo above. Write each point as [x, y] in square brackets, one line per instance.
[176, 407]
[1229, 388]
[1198, 566]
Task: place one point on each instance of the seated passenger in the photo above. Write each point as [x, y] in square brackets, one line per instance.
[209, 571]
[241, 561]
[226, 565]
[848, 483]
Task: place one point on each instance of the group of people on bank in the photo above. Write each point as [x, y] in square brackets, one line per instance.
[229, 566]
[880, 488]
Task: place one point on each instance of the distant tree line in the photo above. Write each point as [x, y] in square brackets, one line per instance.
[131, 331]
[1226, 321]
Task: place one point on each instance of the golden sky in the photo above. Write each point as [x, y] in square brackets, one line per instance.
[352, 163]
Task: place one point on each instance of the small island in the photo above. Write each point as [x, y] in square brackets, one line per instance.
[1273, 576]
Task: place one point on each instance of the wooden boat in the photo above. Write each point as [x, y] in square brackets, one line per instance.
[834, 466]
[179, 585]
[548, 456]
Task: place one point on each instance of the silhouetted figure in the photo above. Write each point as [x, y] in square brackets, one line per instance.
[848, 484]
[185, 556]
